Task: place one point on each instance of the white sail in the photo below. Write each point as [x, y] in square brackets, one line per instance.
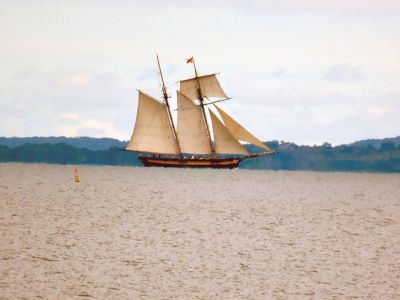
[225, 142]
[209, 85]
[191, 129]
[153, 131]
[239, 132]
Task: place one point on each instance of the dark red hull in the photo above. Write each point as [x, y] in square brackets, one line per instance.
[220, 163]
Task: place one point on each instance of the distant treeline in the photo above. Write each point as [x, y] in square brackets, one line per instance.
[289, 156]
[66, 154]
[79, 142]
[327, 158]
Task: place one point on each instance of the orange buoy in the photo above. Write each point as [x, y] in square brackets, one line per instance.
[77, 177]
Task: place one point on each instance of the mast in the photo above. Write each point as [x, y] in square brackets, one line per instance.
[200, 95]
[165, 96]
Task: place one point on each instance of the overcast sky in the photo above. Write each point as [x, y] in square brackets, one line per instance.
[305, 71]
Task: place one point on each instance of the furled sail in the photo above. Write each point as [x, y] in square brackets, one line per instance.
[239, 132]
[153, 130]
[191, 129]
[209, 85]
[225, 142]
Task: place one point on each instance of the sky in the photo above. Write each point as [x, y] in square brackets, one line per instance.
[304, 71]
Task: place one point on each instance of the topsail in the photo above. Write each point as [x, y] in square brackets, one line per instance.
[207, 84]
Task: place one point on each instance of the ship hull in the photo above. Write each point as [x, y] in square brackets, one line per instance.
[218, 163]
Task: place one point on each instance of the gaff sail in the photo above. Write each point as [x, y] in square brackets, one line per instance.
[153, 131]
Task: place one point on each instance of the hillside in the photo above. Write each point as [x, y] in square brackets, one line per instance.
[377, 143]
[66, 154]
[327, 158]
[79, 142]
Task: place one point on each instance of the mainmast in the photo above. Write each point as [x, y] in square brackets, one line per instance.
[200, 96]
[165, 96]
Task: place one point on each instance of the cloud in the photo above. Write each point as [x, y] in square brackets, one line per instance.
[70, 116]
[39, 102]
[75, 81]
[345, 73]
[377, 111]
[280, 73]
[87, 127]
[355, 7]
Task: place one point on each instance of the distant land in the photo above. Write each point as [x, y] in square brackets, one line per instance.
[79, 142]
[377, 143]
[372, 155]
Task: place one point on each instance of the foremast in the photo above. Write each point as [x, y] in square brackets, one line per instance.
[171, 120]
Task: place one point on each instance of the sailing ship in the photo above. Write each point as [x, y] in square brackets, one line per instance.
[193, 142]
